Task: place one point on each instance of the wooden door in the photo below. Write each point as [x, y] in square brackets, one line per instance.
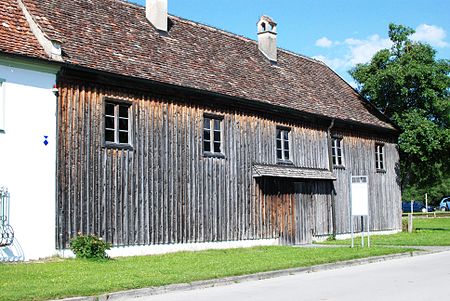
[278, 201]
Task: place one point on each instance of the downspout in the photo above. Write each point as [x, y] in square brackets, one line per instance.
[330, 167]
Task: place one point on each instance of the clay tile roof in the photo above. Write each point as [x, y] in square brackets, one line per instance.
[15, 34]
[115, 36]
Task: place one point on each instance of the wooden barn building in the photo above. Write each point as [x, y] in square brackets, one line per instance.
[170, 132]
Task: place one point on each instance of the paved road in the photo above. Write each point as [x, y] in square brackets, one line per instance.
[411, 279]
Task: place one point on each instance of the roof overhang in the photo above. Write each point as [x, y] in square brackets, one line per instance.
[148, 85]
[291, 172]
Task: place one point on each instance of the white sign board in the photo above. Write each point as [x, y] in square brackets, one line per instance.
[360, 196]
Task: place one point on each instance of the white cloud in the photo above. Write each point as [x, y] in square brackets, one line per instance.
[430, 34]
[348, 53]
[361, 51]
[334, 64]
[355, 51]
[324, 42]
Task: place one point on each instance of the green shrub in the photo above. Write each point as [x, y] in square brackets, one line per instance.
[331, 238]
[89, 246]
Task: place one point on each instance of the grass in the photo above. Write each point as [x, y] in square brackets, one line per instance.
[424, 237]
[437, 213]
[432, 223]
[73, 277]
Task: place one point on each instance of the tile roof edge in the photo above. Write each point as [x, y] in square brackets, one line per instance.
[259, 102]
[52, 47]
[366, 102]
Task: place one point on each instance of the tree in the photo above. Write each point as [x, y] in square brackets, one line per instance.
[409, 85]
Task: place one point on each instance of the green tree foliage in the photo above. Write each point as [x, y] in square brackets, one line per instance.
[408, 84]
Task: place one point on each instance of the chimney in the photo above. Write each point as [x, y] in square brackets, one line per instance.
[156, 13]
[267, 37]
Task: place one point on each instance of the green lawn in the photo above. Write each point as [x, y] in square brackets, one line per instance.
[72, 277]
[417, 238]
[432, 223]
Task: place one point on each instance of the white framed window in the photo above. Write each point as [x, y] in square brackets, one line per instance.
[117, 123]
[283, 145]
[212, 136]
[379, 157]
[2, 106]
[337, 153]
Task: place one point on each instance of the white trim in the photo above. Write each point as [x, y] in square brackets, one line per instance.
[2, 106]
[283, 149]
[51, 47]
[173, 248]
[348, 235]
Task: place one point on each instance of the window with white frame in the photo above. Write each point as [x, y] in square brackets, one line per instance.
[379, 156]
[212, 136]
[117, 123]
[283, 145]
[2, 106]
[337, 153]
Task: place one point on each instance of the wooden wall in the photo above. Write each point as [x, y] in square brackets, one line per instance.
[164, 190]
[295, 210]
[384, 187]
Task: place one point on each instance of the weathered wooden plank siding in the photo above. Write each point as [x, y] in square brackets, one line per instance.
[313, 200]
[164, 190]
[384, 188]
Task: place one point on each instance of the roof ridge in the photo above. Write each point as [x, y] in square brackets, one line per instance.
[227, 32]
[241, 37]
[126, 2]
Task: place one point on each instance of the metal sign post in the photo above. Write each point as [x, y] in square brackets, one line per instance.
[359, 204]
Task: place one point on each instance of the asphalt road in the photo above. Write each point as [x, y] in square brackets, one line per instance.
[411, 279]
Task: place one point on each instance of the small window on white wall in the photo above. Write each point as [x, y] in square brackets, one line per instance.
[2, 106]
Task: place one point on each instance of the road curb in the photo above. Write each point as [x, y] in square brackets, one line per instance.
[136, 293]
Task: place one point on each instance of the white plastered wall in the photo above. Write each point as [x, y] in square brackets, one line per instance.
[27, 165]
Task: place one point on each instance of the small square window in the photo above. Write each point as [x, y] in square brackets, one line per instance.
[337, 153]
[212, 136]
[117, 123]
[282, 143]
[2, 106]
[379, 157]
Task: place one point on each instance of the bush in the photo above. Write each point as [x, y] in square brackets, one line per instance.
[89, 246]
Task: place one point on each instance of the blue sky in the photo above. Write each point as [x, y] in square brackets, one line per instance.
[339, 32]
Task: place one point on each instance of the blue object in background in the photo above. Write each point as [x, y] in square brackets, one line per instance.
[418, 206]
[444, 205]
[45, 140]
